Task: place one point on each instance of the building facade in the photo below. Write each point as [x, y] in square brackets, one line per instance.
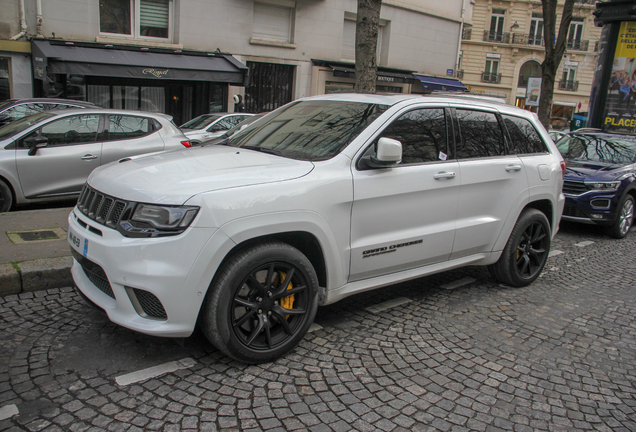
[187, 57]
[503, 50]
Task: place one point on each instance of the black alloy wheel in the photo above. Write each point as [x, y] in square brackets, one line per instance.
[262, 304]
[526, 251]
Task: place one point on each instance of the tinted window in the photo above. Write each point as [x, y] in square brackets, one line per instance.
[480, 135]
[311, 130]
[77, 129]
[125, 127]
[422, 134]
[523, 136]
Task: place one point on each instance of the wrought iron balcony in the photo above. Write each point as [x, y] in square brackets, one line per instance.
[467, 33]
[568, 85]
[498, 37]
[581, 45]
[527, 39]
[491, 78]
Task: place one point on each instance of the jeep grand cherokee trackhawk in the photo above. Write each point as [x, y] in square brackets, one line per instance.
[323, 198]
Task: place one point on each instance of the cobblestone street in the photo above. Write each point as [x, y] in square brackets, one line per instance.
[450, 352]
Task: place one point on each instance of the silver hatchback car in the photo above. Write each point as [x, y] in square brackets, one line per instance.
[48, 156]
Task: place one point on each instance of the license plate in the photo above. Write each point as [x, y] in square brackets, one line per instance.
[80, 244]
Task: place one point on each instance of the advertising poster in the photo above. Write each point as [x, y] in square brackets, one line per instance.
[533, 92]
[620, 108]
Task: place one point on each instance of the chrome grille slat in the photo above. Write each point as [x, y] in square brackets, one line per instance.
[571, 187]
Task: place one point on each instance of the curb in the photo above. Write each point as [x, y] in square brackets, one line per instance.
[35, 275]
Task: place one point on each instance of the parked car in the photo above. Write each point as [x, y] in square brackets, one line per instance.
[209, 126]
[48, 156]
[599, 182]
[323, 198]
[14, 109]
[556, 135]
[239, 127]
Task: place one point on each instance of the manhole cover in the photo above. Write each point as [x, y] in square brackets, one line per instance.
[32, 236]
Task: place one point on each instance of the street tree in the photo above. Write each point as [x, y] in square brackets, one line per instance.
[554, 51]
[367, 27]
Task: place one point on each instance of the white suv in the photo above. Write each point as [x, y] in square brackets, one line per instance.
[323, 198]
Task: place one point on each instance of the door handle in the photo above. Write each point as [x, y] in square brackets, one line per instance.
[88, 157]
[511, 168]
[444, 175]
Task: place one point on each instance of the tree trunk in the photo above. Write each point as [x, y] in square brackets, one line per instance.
[554, 51]
[367, 45]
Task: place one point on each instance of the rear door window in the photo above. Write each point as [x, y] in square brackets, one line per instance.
[524, 138]
[479, 134]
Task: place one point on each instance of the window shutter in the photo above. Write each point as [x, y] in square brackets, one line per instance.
[154, 13]
[349, 40]
[272, 22]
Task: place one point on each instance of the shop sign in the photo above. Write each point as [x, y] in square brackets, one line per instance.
[620, 108]
[533, 91]
[157, 73]
[386, 78]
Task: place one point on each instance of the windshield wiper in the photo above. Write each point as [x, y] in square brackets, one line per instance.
[262, 150]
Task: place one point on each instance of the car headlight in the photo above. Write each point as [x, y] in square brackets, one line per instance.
[603, 186]
[155, 221]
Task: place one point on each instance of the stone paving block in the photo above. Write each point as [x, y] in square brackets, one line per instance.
[10, 281]
[47, 273]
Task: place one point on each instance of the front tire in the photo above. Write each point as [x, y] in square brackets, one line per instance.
[6, 198]
[624, 219]
[261, 303]
[526, 251]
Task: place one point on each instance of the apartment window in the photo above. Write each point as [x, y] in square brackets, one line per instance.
[145, 19]
[491, 71]
[497, 25]
[535, 36]
[349, 39]
[273, 21]
[5, 89]
[576, 33]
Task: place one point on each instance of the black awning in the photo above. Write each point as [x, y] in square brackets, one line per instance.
[132, 62]
[385, 75]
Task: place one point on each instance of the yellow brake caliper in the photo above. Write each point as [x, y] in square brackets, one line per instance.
[288, 301]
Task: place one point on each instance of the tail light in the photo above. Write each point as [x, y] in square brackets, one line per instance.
[563, 167]
[186, 144]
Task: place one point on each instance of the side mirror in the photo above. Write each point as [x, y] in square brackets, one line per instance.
[35, 143]
[388, 153]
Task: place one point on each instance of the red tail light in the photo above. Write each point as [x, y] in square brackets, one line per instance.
[186, 144]
[563, 167]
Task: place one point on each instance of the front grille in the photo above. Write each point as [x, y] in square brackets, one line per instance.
[150, 304]
[573, 211]
[571, 187]
[101, 208]
[94, 273]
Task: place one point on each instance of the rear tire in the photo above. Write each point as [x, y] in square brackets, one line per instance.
[6, 198]
[261, 303]
[526, 251]
[624, 219]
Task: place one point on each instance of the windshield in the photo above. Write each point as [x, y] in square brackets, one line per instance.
[200, 122]
[18, 126]
[598, 148]
[311, 130]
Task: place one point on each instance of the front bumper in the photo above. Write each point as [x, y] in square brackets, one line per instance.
[591, 208]
[149, 285]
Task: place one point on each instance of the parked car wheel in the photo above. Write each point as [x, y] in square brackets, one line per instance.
[261, 303]
[6, 199]
[526, 251]
[625, 218]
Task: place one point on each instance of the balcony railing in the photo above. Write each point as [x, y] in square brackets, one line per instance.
[459, 74]
[578, 45]
[568, 85]
[467, 33]
[526, 39]
[496, 37]
[491, 78]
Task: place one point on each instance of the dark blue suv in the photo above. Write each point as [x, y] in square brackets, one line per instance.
[599, 184]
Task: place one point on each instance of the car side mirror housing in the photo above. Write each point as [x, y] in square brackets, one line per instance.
[35, 143]
[388, 153]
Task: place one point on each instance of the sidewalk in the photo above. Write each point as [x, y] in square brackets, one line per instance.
[34, 254]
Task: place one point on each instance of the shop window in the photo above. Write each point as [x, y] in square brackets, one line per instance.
[349, 38]
[273, 21]
[136, 18]
[5, 89]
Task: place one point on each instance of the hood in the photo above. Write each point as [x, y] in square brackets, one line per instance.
[589, 170]
[173, 177]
